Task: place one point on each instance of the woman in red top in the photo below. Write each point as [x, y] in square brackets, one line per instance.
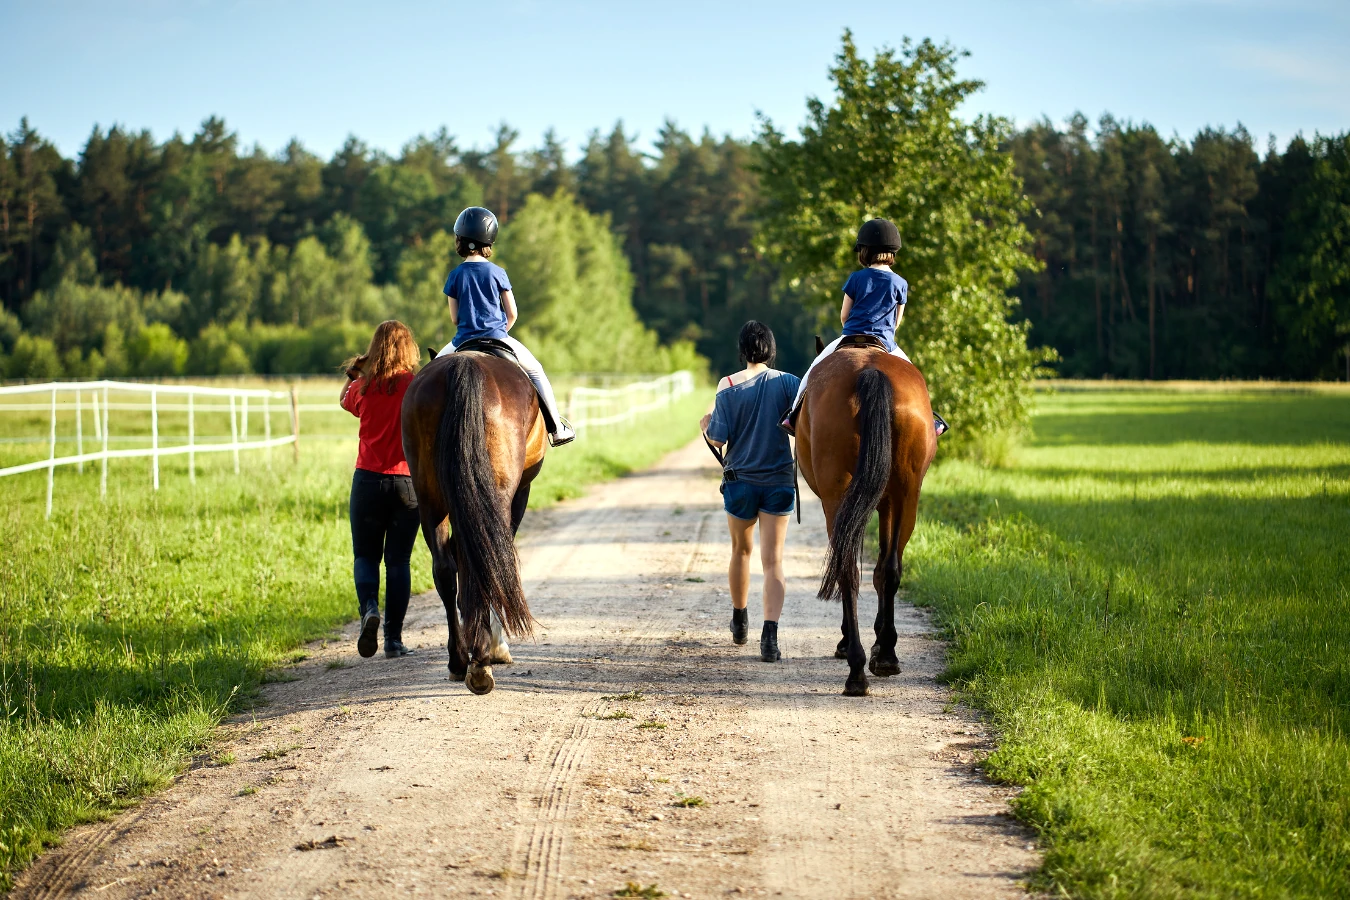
[383, 507]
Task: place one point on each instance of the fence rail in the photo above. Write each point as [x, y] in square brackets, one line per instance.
[100, 407]
[586, 407]
[589, 407]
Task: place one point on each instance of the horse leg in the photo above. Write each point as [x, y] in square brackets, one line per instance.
[445, 574]
[856, 685]
[500, 651]
[886, 579]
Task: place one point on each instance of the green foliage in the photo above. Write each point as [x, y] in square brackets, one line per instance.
[891, 144]
[1311, 285]
[34, 358]
[574, 289]
[155, 351]
[1151, 599]
[215, 353]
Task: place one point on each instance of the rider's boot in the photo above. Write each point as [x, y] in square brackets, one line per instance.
[560, 430]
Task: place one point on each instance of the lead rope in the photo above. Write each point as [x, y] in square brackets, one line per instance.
[796, 488]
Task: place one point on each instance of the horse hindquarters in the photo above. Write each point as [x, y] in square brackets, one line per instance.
[482, 539]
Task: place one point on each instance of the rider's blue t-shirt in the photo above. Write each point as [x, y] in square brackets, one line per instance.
[877, 296]
[478, 287]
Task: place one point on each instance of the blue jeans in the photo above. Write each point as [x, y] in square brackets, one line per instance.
[746, 501]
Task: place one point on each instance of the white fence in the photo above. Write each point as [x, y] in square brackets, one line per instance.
[72, 396]
[589, 407]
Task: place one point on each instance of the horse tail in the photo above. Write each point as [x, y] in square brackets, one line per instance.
[486, 553]
[876, 404]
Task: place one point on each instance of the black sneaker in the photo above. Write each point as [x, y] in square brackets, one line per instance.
[369, 641]
[768, 643]
[395, 649]
[740, 625]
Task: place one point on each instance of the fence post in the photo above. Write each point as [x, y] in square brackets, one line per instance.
[103, 479]
[192, 441]
[243, 431]
[295, 422]
[79, 432]
[51, 455]
[267, 428]
[234, 434]
[154, 435]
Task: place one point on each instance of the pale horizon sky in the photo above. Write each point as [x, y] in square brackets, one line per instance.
[321, 71]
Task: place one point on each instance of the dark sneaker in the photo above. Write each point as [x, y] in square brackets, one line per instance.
[369, 641]
[740, 625]
[768, 643]
[564, 435]
[395, 649]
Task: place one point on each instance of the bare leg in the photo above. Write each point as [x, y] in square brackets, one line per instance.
[738, 573]
[772, 534]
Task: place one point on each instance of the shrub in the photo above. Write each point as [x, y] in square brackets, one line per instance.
[156, 351]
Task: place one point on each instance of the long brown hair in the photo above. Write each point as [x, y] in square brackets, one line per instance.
[392, 352]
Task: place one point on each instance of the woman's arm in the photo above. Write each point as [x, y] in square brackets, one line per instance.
[900, 314]
[845, 309]
[509, 304]
[454, 310]
[703, 427]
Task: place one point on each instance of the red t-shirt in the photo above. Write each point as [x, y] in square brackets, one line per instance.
[381, 428]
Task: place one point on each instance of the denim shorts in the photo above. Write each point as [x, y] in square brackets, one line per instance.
[746, 501]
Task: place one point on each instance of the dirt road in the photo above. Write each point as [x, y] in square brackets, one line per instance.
[633, 742]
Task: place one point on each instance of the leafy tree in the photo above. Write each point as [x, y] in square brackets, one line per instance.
[1312, 282]
[890, 143]
[574, 290]
[155, 351]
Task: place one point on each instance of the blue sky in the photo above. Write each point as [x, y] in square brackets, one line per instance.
[388, 71]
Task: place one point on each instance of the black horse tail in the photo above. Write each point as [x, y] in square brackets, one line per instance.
[485, 551]
[876, 404]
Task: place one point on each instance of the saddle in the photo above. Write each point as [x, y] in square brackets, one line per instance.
[502, 350]
[862, 341]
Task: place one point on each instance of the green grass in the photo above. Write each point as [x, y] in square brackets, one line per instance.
[1152, 567]
[129, 627]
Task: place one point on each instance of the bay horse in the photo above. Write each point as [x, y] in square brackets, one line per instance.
[865, 440]
[475, 440]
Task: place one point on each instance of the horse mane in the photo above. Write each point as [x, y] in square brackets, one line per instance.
[876, 403]
[486, 551]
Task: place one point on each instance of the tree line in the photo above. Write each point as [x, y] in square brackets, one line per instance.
[1123, 253]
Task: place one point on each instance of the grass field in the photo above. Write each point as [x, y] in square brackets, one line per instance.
[129, 626]
[1152, 599]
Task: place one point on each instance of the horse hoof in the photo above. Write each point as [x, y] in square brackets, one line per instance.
[501, 657]
[883, 669]
[457, 676]
[479, 680]
[855, 688]
[841, 653]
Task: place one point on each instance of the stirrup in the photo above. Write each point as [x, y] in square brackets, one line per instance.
[566, 433]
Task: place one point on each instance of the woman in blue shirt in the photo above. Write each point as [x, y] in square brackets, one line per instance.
[757, 477]
[482, 306]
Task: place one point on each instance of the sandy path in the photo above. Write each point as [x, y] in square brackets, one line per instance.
[553, 786]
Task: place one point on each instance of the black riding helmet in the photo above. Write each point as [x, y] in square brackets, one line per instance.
[477, 226]
[878, 234]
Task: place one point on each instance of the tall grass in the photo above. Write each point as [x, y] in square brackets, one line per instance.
[1153, 600]
[129, 626]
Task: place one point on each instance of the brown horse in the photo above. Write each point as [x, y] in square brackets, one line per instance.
[474, 439]
[865, 439]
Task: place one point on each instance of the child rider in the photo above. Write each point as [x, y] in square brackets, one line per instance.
[874, 304]
[482, 306]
